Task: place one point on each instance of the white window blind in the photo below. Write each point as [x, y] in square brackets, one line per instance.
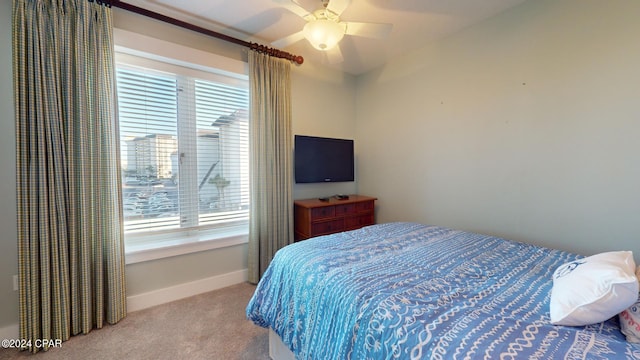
[184, 153]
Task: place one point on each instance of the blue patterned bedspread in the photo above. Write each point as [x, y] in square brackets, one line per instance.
[412, 291]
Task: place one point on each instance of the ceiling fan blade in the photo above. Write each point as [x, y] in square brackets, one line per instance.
[334, 55]
[294, 7]
[370, 30]
[288, 40]
[338, 6]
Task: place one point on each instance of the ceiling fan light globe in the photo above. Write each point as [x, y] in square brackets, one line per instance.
[323, 34]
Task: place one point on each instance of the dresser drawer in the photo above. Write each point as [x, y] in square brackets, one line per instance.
[320, 213]
[364, 206]
[327, 227]
[345, 209]
[356, 222]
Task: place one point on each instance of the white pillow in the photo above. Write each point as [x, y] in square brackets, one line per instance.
[630, 319]
[593, 289]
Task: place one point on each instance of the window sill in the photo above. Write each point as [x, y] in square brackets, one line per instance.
[184, 245]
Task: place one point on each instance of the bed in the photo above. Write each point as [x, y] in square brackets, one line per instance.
[413, 291]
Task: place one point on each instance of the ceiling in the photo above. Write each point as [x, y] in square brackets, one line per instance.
[415, 23]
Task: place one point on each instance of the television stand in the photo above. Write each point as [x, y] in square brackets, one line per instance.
[314, 217]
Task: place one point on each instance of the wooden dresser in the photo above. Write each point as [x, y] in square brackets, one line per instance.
[314, 217]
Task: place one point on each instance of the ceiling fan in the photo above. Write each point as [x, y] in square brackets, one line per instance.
[324, 29]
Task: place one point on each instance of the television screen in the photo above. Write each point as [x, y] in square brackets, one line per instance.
[318, 159]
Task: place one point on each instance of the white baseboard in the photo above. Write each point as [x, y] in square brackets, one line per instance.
[177, 292]
[162, 296]
[10, 332]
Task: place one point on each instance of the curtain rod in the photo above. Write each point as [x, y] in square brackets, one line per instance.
[254, 46]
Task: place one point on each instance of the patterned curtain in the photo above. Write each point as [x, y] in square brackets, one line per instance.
[271, 214]
[70, 238]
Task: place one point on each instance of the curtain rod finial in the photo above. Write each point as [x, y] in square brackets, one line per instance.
[298, 59]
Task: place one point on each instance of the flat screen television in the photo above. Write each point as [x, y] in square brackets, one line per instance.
[318, 159]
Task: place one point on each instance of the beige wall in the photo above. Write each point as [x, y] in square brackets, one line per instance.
[525, 126]
[323, 105]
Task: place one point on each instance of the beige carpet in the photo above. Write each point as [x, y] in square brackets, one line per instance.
[206, 326]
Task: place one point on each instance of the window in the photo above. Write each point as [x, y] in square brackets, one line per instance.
[184, 152]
